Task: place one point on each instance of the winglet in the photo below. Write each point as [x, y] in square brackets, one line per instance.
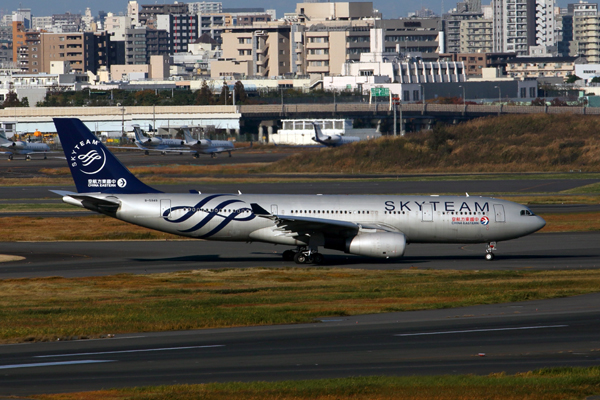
[258, 210]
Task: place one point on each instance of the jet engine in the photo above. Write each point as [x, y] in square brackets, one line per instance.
[19, 144]
[381, 244]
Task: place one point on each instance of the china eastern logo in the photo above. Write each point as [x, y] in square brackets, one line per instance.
[88, 157]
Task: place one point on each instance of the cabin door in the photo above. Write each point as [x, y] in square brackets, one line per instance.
[427, 212]
[499, 210]
[165, 208]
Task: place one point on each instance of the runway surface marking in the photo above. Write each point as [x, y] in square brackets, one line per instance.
[481, 330]
[131, 351]
[52, 364]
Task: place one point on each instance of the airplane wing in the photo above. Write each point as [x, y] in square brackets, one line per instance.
[307, 225]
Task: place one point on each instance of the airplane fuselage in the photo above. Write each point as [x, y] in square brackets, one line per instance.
[426, 219]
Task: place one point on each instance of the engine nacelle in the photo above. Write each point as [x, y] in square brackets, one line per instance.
[19, 144]
[381, 245]
[154, 140]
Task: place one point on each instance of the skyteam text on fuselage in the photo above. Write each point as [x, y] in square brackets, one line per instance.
[332, 140]
[375, 226]
[21, 147]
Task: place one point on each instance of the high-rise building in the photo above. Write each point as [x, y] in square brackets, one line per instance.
[182, 28]
[583, 37]
[476, 36]
[521, 24]
[205, 7]
[143, 42]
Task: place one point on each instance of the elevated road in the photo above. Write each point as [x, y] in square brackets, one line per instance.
[230, 117]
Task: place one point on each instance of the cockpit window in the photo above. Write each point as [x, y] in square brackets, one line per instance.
[526, 212]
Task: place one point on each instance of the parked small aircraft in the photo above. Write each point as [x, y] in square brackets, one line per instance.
[21, 147]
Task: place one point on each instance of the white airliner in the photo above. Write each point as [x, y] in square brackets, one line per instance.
[332, 140]
[375, 226]
[20, 147]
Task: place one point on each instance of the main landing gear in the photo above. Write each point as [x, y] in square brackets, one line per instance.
[491, 247]
[303, 255]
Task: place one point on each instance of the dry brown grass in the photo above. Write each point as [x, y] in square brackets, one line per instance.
[514, 143]
[95, 227]
[49, 308]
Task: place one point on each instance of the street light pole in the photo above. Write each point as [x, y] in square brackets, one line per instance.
[499, 93]
[463, 88]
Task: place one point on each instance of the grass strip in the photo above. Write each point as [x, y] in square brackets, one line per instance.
[38, 207]
[544, 384]
[100, 227]
[41, 309]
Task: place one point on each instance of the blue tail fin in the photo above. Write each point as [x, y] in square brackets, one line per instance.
[94, 168]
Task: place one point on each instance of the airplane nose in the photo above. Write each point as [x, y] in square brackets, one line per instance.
[539, 223]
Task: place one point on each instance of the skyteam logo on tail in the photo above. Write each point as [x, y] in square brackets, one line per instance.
[90, 159]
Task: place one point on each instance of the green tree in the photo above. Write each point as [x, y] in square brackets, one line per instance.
[240, 93]
[595, 79]
[204, 95]
[12, 100]
[572, 79]
[224, 94]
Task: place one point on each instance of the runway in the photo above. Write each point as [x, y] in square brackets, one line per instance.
[515, 337]
[79, 259]
[511, 337]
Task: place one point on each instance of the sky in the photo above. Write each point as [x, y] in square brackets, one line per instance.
[389, 8]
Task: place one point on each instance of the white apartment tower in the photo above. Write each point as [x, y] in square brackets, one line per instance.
[520, 24]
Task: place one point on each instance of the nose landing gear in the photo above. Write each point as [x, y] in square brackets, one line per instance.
[491, 247]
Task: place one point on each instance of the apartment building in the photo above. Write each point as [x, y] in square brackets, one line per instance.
[84, 51]
[474, 63]
[116, 25]
[182, 28]
[520, 24]
[205, 7]
[476, 36]
[148, 13]
[143, 42]
[27, 49]
[264, 47]
[465, 11]
[535, 67]
[583, 37]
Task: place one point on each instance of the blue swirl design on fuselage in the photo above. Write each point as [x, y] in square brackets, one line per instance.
[213, 213]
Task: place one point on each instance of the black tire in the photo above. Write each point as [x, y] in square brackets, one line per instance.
[288, 255]
[489, 256]
[300, 258]
[318, 258]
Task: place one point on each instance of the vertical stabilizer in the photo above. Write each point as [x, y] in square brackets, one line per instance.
[93, 167]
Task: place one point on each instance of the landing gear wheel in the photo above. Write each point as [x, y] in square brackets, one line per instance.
[229, 154]
[28, 158]
[489, 256]
[10, 157]
[146, 153]
[45, 157]
[318, 258]
[300, 258]
[288, 255]
[196, 155]
[213, 155]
